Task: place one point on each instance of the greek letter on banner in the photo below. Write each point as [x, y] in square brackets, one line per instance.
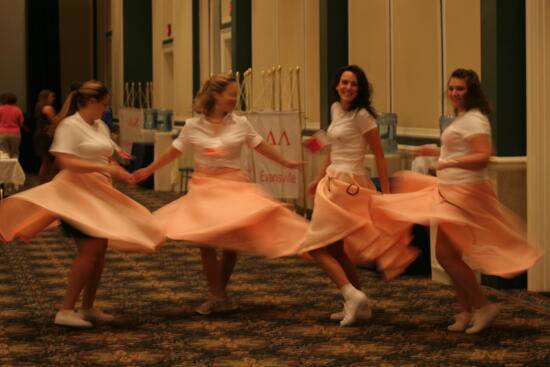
[282, 131]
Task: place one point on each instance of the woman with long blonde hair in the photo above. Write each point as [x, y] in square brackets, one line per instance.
[223, 209]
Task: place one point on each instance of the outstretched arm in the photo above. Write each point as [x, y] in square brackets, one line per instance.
[269, 152]
[166, 157]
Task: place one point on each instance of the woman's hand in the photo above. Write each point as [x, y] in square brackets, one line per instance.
[119, 173]
[426, 151]
[141, 175]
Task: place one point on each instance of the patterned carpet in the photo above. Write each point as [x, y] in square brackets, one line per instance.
[283, 320]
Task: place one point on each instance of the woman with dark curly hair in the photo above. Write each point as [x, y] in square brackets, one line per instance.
[342, 228]
[461, 200]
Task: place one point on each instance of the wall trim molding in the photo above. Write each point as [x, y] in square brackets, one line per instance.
[418, 132]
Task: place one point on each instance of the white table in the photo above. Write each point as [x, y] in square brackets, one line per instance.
[10, 173]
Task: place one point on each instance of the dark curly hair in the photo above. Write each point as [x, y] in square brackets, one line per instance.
[474, 98]
[364, 91]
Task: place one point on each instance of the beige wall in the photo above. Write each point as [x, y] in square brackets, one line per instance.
[369, 46]
[173, 63]
[13, 61]
[538, 135]
[75, 42]
[286, 33]
[408, 48]
[462, 38]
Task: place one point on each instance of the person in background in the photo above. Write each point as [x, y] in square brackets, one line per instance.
[82, 198]
[11, 122]
[342, 230]
[45, 116]
[223, 209]
[471, 221]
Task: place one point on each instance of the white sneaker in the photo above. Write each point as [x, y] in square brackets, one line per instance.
[71, 318]
[353, 304]
[95, 314]
[364, 313]
[462, 321]
[482, 318]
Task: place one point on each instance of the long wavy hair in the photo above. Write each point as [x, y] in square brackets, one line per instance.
[78, 98]
[474, 97]
[364, 90]
[204, 100]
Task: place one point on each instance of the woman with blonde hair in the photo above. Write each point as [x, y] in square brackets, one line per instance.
[223, 209]
[82, 198]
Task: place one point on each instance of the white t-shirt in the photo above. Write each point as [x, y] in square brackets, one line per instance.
[345, 134]
[454, 144]
[221, 150]
[88, 142]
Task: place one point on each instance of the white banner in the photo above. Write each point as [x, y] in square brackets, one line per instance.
[282, 131]
[131, 123]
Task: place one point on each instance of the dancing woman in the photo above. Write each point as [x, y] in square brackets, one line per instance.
[342, 228]
[82, 198]
[461, 200]
[222, 208]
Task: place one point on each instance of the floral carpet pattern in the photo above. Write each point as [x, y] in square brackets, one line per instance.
[283, 320]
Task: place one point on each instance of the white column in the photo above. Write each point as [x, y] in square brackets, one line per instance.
[538, 137]
[117, 56]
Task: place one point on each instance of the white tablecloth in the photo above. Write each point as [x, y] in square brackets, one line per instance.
[11, 172]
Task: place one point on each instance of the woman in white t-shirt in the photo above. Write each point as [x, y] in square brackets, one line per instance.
[342, 231]
[222, 208]
[82, 198]
[471, 221]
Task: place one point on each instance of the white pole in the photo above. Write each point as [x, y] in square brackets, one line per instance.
[279, 70]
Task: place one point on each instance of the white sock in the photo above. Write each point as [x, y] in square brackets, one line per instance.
[348, 291]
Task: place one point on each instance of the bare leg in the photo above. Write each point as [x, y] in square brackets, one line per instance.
[91, 252]
[212, 271]
[90, 289]
[229, 258]
[331, 266]
[337, 251]
[468, 292]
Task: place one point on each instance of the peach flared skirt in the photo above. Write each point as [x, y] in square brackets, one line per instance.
[223, 209]
[342, 211]
[87, 202]
[470, 215]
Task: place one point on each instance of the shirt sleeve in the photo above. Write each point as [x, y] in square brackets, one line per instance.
[253, 139]
[65, 138]
[182, 141]
[476, 124]
[364, 121]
